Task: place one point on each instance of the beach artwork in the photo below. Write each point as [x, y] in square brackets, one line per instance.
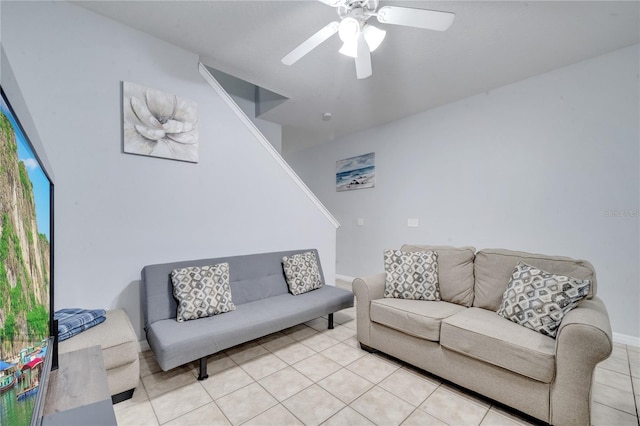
[159, 124]
[356, 172]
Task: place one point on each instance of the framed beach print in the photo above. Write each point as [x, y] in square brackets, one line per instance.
[356, 172]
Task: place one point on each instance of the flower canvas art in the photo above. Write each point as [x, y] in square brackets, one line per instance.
[159, 124]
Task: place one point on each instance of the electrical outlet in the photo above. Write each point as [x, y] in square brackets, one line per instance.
[360, 221]
[413, 222]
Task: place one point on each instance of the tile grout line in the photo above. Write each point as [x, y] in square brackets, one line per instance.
[273, 396]
[342, 367]
[434, 415]
[190, 411]
[485, 415]
[335, 414]
[278, 402]
[302, 390]
[150, 404]
[411, 413]
[213, 400]
[633, 393]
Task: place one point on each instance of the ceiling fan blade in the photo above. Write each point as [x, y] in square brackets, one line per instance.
[332, 3]
[311, 43]
[363, 58]
[419, 18]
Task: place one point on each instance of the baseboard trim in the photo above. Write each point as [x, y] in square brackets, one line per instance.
[625, 339]
[143, 345]
[344, 277]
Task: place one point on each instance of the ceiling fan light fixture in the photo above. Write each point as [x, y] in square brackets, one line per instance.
[349, 49]
[349, 29]
[373, 36]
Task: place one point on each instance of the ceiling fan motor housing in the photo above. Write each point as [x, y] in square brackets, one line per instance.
[358, 9]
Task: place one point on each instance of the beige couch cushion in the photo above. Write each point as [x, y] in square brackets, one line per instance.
[419, 318]
[486, 336]
[116, 337]
[455, 270]
[493, 269]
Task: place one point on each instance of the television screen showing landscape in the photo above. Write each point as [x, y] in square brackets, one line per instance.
[25, 198]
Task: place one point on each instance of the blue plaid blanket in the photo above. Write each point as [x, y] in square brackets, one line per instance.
[72, 321]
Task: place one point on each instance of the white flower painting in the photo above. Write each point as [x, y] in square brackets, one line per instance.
[159, 124]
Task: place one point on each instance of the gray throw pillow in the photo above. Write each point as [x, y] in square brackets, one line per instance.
[202, 291]
[411, 275]
[539, 300]
[302, 272]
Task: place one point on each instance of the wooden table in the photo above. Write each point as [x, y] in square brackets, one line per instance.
[78, 393]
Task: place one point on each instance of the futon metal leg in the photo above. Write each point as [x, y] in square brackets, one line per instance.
[330, 321]
[203, 368]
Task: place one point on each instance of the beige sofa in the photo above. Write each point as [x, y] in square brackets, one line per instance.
[462, 339]
[119, 347]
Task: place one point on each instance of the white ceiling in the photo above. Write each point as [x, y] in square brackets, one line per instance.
[490, 44]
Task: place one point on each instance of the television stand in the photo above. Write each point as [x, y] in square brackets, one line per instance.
[78, 393]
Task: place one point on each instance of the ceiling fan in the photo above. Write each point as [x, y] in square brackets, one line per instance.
[361, 38]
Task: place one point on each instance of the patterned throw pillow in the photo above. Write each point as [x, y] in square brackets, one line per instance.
[411, 275]
[302, 272]
[539, 300]
[202, 291]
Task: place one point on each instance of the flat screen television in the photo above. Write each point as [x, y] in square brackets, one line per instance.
[27, 349]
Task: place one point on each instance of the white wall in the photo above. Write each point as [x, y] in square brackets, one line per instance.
[536, 166]
[14, 94]
[114, 212]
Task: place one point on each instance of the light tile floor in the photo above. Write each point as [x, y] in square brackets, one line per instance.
[309, 375]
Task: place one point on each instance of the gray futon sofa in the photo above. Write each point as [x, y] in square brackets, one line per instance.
[263, 303]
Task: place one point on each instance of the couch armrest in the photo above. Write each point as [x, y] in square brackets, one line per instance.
[367, 289]
[583, 340]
